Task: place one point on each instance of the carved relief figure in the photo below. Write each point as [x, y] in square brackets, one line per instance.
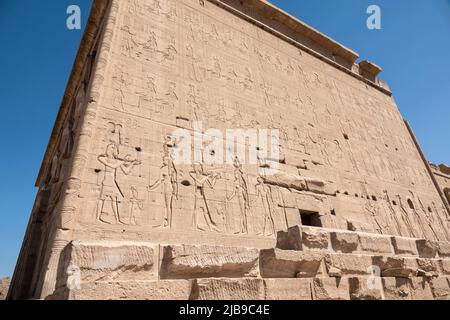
[110, 191]
[168, 54]
[167, 104]
[263, 193]
[147, 98]
[119, 81]
[240, 192]
[136, 207]
[168, 180]
[380, 223]
[203, 180]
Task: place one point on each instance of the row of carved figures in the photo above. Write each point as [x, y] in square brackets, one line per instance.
[112, 194]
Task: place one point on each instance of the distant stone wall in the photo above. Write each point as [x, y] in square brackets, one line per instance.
[4, 287]
[442, 174]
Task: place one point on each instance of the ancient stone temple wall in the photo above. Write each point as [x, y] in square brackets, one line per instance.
[111, 186]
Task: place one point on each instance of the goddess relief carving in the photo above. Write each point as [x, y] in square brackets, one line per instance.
[240, 192]
[168, 181]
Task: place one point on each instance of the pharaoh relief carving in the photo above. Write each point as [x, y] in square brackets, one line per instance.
[111, 193]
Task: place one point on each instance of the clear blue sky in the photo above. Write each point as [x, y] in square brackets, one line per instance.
[37, 52]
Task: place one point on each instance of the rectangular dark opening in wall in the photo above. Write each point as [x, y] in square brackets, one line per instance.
[310, 218]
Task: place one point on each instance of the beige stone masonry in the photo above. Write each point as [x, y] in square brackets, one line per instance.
[118, 213]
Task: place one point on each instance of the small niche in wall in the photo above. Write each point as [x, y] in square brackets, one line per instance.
[310, 218]
[410, 204]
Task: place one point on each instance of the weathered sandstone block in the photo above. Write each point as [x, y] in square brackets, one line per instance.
[330, 289]
[396, 266]
[290, 239]
[109, 260]
[404, 246]
[190, 262]
[375, 243]
[275, 263]
[444, 249]
[427, 248]
[397, 288]
[345, 242]
[128, 290]
[428, 266]
[445, 266]
[420, 289]
[287, 289]
[349, 264]
[314, 238]
[440, 287]
[365, 288]
[228, 289]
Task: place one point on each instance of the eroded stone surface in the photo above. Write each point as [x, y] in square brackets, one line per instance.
[349, 264]
[290, 239]
[314, 238]
[375, 244]
[129, 290]
[397, 288]
[345, 242]
[275, 263]
[288, 289]
[111, 261]
[365, 288]
[427, 248]
[440, 288]
[191, 262]
[399, 267]
[420, 289]
[330, 289]
[404, 246]
[444, 249]
[228, 289]
[445, 266]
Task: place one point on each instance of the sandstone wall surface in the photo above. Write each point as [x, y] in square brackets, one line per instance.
[149, 69]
